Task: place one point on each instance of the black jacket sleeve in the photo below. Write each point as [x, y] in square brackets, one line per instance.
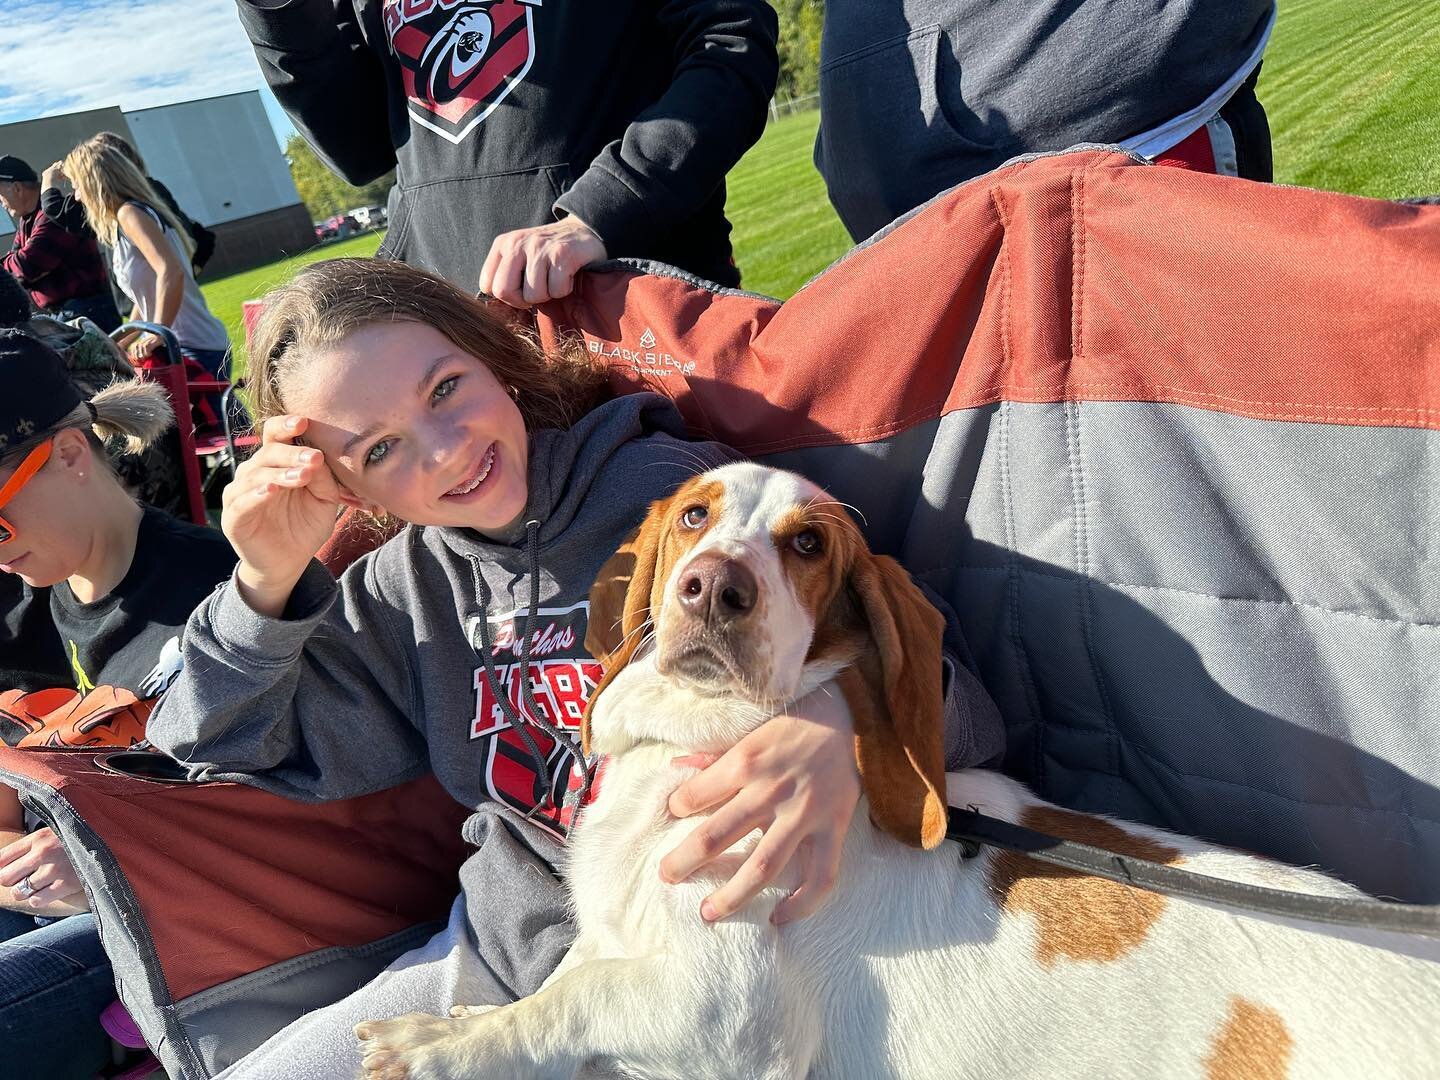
[64, 210]
[328, 81]
[675, 154]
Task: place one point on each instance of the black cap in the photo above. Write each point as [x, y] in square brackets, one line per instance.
[13, 168]
[35, 389]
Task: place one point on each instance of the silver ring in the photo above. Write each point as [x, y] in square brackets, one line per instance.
[25, 890]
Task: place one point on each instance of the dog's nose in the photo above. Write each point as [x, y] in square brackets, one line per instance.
[717, 589]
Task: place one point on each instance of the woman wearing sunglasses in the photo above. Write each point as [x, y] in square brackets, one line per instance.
[105, 587]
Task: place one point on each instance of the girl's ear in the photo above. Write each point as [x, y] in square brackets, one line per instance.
[350, 499]
[72, 450]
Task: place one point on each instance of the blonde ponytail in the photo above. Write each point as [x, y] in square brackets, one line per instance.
[137, 411]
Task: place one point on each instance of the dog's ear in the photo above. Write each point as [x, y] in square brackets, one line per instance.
[894, 694]
[605, 626]
[620, 602]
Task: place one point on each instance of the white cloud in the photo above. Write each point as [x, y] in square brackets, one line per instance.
[59, 56]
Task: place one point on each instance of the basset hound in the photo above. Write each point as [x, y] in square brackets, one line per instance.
[747, 589]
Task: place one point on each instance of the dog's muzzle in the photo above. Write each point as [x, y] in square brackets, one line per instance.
[717, 590]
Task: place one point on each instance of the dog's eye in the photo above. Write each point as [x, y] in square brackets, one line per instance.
[694, 517]
[807, 543]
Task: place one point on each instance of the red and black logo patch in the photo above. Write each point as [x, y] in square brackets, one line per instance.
[460, 58]
[561, 678]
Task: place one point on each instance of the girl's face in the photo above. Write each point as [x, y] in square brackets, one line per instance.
[51, 535]
[411, 424]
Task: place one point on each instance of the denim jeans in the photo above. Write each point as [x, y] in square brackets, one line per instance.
[215, 361]
[54, 982]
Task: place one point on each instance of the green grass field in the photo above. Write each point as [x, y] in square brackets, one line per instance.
[1353, 96]
[785, 231]
[226, 295]
[1351, 91]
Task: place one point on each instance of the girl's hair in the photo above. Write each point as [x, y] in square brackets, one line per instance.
[122, 144]
[137, 411]
[328, 300]
[105, 179]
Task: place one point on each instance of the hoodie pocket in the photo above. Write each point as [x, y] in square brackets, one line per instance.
[447, 226]
[397, 218]
[889, 130]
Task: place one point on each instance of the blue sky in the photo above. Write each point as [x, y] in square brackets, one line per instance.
[60, 56]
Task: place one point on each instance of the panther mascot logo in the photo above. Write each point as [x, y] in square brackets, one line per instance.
[460, 58]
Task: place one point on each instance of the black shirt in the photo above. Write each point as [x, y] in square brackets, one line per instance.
[131, 636]
[31, 657]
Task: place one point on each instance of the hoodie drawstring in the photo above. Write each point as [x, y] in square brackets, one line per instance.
[536, 715]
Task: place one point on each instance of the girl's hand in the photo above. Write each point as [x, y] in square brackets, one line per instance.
[38, 858]
[278, 511]
[142, 345]
[796, 779]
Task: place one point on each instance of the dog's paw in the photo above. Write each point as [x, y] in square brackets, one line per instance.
[459, 1012]
[413, 1047]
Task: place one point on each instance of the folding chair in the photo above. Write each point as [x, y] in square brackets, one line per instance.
[204, 454]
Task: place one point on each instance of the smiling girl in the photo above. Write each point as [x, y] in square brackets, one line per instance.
[458, 646]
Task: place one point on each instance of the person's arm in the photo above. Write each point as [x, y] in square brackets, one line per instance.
[63, 209]
[290, 680]
[307, 50]
[314, 705]
[43, 252]
[673, 155]
[148, 236]
[12, 828]
[669, 160]
[974, 729]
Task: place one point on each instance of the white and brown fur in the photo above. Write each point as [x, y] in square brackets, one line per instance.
[920, 963]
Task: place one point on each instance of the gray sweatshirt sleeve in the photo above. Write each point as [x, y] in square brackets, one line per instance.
[315, 705]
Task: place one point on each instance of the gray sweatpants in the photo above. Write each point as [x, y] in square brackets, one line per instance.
[445, 971]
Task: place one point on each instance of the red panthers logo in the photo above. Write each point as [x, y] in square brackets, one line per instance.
[460, 58]
[561, 678]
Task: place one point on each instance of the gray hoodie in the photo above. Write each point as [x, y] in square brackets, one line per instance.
[919, 95]
[374, 680]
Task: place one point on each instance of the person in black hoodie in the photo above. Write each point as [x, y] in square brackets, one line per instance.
[380, 386]
[530, 138]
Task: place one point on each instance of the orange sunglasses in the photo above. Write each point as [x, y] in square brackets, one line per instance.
[33, 463]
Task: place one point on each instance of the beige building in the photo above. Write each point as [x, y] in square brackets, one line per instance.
[219, 158]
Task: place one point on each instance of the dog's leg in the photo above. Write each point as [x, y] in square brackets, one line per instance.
[644, 1013]
[579, 952]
